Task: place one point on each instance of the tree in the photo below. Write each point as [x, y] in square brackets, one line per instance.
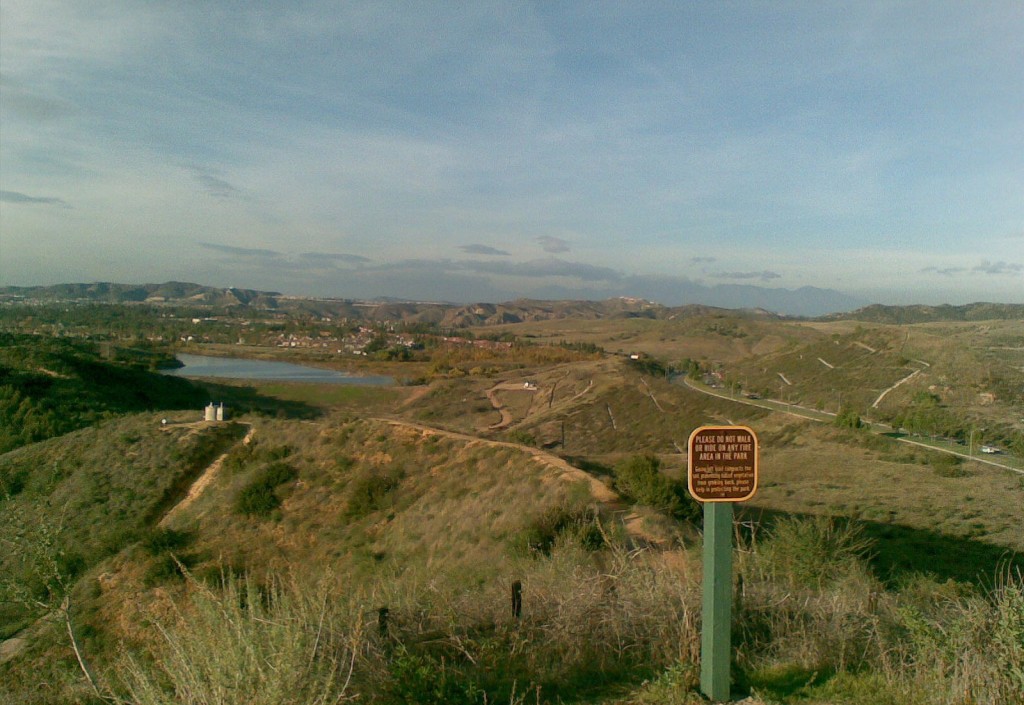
[848, 418]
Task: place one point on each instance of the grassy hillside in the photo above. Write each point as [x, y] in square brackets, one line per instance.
[49, 386]
[93, 492]
[255, 558]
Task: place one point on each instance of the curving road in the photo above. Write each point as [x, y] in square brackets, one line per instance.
[827, 417]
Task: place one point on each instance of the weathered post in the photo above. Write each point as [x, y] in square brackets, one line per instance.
[517, 599]
[382, 622]
[721, 469]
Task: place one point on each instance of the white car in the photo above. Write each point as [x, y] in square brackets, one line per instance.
[989, 449]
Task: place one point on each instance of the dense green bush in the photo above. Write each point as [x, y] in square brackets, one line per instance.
[50, 386]
[848, 418]
[577, 526]
[160, 540]
[640, 479]
[260, 497]
[522, 437]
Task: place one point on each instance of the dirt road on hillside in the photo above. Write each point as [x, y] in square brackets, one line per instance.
[204, 480]
[598, 489]
[602, 494]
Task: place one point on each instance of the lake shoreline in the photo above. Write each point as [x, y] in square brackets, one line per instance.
[223, 367]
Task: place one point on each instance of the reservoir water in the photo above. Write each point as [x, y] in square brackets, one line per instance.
[239, 368]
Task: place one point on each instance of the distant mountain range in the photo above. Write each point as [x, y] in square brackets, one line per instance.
[755, 301]
[168, 292]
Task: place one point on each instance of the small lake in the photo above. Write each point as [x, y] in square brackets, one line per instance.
[239, 368]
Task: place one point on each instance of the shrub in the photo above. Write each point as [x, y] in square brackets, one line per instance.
[640, 479]
[522, 438]
[160, 540]
[372, 492]
[580, 527]
[848, 418]
[427, 680]
[259, 498]
[811, 553]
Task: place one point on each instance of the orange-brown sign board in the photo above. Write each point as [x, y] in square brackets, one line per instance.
[722, 464]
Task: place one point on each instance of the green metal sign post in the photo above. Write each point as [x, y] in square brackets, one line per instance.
[716, 629]
[722, 469]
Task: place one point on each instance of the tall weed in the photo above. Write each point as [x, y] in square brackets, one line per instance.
[245, 644]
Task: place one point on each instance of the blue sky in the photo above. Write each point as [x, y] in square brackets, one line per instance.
[484, 151]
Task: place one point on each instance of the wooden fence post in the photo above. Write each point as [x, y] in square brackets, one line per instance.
[517, 599]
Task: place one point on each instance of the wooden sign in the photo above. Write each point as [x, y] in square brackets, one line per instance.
[723, 464]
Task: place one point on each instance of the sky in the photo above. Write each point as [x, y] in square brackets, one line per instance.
[484, 151]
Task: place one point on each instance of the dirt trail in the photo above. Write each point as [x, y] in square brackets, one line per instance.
[492, 396]
[506, 415]
[881, 396]
[600, 491]
[204, 480]
[602, 494]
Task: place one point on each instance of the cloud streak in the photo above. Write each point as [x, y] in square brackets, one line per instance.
[944, 271]
[16, 197]
[483, 250]
[213, 185]
[999, 268]
[554, 245]
[996, 269]
[764, 276]
[335, 257]
[241, 251]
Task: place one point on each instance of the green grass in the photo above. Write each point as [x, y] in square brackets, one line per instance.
[329, 395]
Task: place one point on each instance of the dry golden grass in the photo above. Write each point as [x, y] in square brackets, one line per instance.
[724, 337]
[924, 518]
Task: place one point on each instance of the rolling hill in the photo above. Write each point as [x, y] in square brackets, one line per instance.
[372, 543]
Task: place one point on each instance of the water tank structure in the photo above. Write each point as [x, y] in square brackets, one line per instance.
[211, 412]
[220, 412]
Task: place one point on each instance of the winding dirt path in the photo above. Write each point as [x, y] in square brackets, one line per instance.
[632, 522]
[492, 396]
[600, 491]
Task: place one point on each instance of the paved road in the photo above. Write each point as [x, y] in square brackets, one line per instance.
[826, 417]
